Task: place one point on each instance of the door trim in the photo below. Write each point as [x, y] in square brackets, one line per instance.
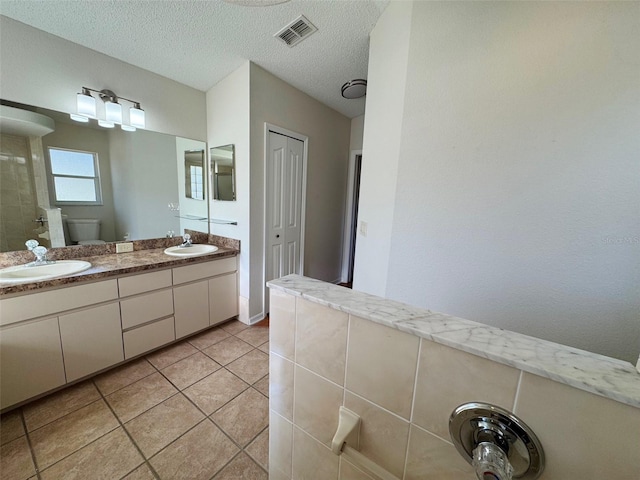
[268, 127]
[346, 244]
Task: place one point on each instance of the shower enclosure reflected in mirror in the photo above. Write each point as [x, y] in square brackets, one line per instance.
[223, 172]
[194, 174]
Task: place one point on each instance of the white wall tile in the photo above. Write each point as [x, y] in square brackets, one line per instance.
[383, 436]
[584, 436]
[316, 405]
[311, 459]
[282, 323]
[321, 339]
[281, 386]
[448, 378]
[381, 365]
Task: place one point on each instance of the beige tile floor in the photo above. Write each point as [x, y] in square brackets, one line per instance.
[197, 409]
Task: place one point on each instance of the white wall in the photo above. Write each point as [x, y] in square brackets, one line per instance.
[37, 68]
[517, 199]
[388, 57]
[228, 123]
[357, 133]
[275, 102]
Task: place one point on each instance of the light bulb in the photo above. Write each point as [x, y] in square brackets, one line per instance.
[127, 128]
[105, 124]
[136, 116]
[79, 118]
[86, 104]
[113, 112]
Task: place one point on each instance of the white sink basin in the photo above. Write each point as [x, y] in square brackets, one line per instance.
[25, 274]
[194, 250]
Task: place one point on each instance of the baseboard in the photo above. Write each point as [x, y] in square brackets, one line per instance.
[256, 318]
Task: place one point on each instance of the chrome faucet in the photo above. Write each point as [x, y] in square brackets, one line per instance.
[40, 252]
[186, 241]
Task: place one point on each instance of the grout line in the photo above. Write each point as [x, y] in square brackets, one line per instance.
[92, 379]
[126, 432]
[415, 382]
[517, 395]
[28, 438]
[346, 365]
[399, 417]
[445, 440]
[412, 411]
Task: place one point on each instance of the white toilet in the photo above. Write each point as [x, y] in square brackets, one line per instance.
[84, 231]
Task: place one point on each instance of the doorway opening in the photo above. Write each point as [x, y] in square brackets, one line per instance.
[351, 220]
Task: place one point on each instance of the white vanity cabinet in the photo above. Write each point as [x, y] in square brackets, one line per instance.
[58, 336]
[204, 294]
[30, 360]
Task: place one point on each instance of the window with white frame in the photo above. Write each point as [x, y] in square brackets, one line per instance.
[74, 177]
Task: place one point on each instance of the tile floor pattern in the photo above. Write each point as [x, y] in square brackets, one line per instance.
[197, 409]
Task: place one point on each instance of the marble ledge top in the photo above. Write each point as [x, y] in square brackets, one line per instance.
[106, 264]
[604, 376]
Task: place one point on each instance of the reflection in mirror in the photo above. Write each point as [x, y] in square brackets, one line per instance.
[194, 174]
[139, 174]
[223, 173]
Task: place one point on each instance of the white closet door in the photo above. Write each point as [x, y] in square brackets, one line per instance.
[284, 206]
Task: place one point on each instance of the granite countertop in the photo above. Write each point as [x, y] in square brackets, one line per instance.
[105, 263]
[605, 376]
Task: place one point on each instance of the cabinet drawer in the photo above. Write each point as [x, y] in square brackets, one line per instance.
[47, 303]
[199, 271]
[142, 339]
[143, 309]
[144, 282]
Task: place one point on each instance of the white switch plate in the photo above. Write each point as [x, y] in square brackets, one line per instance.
[363, 229]
[124, 247]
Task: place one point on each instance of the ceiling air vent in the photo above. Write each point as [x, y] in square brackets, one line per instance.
[296, 31]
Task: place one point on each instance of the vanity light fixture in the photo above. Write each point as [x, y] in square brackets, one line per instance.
[86, 109]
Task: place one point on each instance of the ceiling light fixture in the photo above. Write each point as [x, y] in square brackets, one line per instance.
[354, 89]
[86, 109]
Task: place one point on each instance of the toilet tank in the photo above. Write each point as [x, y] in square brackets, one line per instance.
[83, 229]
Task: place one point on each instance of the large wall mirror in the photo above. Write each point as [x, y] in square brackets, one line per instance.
[141, 176]
[223, 172]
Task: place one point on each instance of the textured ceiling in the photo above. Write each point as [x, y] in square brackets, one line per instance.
[199, 42]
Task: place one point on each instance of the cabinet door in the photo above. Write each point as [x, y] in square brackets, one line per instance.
[191, 305]
[30, 360]
[91, 340]
[223, 298]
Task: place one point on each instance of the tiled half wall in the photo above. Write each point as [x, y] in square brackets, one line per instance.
[404, 388]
